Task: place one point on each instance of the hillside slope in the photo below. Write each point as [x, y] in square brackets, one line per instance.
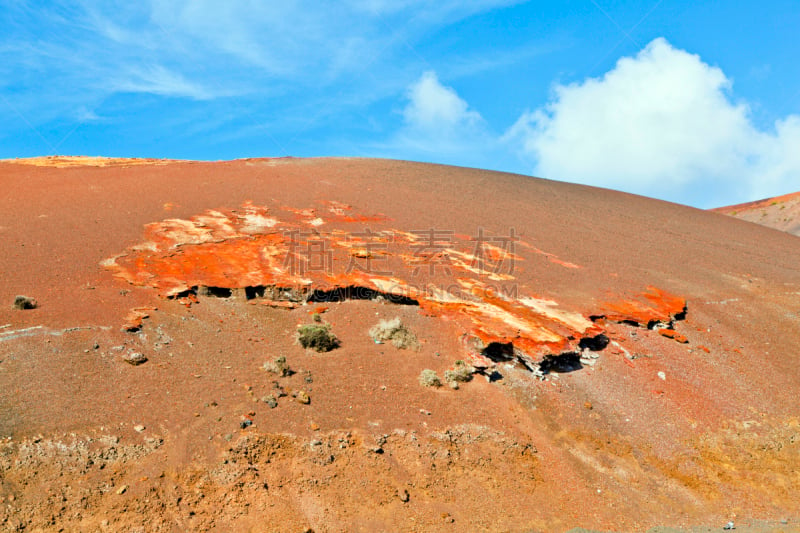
[635, 361]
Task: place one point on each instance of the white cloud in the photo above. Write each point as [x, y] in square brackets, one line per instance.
[206, 49]
[84, 114]
[155, 79]
[661, 124]
[779, 158]
[439, 127]
[429, 9]
[305, 40]
[436, 109]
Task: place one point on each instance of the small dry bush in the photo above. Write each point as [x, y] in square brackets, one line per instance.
[395, 331]
[428, 378]
[278, 366]
[24, 302]
[461, 373]
[317, 337]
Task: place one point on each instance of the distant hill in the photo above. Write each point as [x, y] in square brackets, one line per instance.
[780, 212]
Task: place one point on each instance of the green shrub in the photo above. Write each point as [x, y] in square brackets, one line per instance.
[317, 337]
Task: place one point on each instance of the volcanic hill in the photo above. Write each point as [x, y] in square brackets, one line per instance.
[779, 212]
[508, 353]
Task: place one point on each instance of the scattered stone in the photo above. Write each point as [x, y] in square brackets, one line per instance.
[672, 334]
[404, 496]
[279, 390]
[138, 428]
[729, 526]
[135, 318]
[123, 489]
[270, 400]
[589, 357]
[245, 423]
[302, 397]
[134, 358]
[493, 375]
[24, 302]
[663, 376]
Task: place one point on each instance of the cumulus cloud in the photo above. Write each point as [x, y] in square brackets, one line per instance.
[439, 127]
[437, 109]
[662, 124]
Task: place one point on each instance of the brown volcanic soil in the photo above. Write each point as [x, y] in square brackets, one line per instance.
[780, 212]
[655, 433]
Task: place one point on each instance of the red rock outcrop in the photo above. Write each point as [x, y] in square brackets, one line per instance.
[290, 255]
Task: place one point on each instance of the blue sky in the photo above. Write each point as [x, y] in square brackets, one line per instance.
[693, 102]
